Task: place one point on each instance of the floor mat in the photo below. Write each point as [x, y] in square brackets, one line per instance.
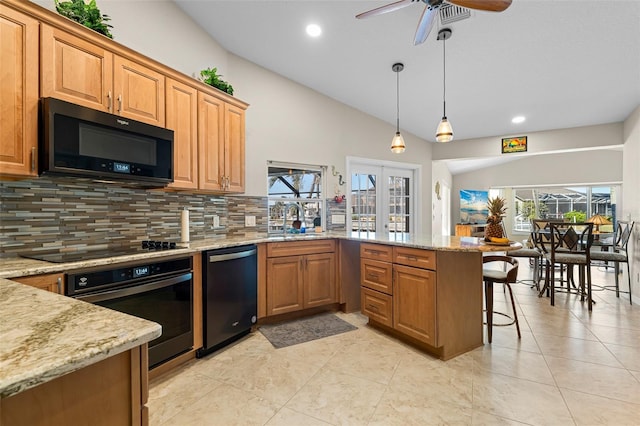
[305, 330]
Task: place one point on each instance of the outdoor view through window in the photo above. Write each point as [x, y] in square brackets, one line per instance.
[296, 200]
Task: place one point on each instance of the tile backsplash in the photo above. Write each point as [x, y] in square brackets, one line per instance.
[49, 213]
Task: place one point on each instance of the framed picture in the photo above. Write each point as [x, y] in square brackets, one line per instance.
[518, 144]
[473, 206]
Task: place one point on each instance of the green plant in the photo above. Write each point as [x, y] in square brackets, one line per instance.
[211, 77]
[575, 216]
[86, 14]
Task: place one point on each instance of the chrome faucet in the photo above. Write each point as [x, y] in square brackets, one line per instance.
[286, 210]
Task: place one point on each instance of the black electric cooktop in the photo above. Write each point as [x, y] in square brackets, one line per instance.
[88, 254]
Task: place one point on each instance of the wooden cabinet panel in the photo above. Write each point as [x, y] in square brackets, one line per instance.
[418, 258]
[285, 290]
[376, 275]
[320, 279]
[234, 148]
[300, 247]
[49, 282]
[210, 142]
[376, 252]
[18, 93]
[182, 118]
[75, 70]
[139, 92]
[414, 303]
[377, 306]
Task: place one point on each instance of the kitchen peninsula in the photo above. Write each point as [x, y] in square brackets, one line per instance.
[64, 361]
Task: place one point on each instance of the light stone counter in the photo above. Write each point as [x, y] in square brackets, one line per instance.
[44, 335]
[13, 267]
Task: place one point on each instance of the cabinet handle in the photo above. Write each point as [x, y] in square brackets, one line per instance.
[59, 285]
[33, 159]
[412, 258]
[373, 308]
[109, 101]
[372, 276]
[119, 103]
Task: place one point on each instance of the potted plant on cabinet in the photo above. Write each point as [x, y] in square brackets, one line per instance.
[211, 77]
[86, 14]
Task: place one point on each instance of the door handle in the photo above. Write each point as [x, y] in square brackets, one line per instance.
[59, 285]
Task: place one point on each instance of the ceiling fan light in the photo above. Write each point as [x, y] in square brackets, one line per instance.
[444, 132]
[397, 144]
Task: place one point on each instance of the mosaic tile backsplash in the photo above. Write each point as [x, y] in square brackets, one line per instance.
[50, 213]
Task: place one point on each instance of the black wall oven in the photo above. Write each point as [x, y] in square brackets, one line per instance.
[159, 290]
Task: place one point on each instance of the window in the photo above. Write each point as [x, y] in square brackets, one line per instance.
[562, 202]
[295, 196]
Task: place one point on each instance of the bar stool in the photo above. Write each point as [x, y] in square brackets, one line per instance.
[506, 276]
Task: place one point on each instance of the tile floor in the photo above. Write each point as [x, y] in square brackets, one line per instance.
[569, 368]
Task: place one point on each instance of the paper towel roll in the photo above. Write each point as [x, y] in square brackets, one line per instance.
[184, 226]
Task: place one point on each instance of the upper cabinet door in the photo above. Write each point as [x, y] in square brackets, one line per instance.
[182, 118]
[210, 142]
[75, 70]
[234, 148]
[18, 93]
[139, 92]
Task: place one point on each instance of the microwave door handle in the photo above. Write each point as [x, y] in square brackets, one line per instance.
[130, 291]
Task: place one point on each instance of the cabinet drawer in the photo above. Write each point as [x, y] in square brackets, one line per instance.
[376, 275]
[425, 259]
[377, 306]
[376, 252]
[294, 248]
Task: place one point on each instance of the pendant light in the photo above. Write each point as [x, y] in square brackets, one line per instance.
[397, 143]
[444, 133]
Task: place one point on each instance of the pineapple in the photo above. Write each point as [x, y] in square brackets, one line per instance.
[497, 209]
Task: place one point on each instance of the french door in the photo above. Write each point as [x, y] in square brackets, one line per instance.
[382, 201]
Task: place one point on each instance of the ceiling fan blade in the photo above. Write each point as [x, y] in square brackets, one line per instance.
[489, 5]
[385, 9]
[425, 25]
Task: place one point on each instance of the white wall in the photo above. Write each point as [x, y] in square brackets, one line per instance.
[588, 137]
[439, 173]
[285, 120]
[631, 196]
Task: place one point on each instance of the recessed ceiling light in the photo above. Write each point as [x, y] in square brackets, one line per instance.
[518, 119]
[314, 30]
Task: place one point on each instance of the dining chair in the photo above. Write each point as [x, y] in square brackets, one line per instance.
[535, 256]
[569, 244]
[617, 253]
[504, 271]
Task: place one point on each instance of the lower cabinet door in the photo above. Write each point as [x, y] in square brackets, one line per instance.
[285, 289]
[414, 307]
[377, 306]
[320, 279]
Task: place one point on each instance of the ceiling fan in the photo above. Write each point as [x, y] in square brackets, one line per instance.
[431, 11]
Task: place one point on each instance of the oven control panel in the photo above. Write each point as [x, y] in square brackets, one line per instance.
[122, 275]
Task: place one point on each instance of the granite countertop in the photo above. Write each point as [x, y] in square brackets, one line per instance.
[45, 335]
[12, 267]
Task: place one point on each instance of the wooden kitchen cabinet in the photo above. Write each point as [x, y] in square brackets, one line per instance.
[49, 282]
[414, 303]
[300, 275]
[182, 118]
[82, 72]
[18, 93]
[221, 145]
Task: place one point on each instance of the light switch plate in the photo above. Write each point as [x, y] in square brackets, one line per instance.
[216, 221]
[338, 219]
[249, 221]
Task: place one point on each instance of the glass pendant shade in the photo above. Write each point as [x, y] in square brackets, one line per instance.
[444, 133]
[397, 144]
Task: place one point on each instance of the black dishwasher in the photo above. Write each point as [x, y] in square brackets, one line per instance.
[229, 295]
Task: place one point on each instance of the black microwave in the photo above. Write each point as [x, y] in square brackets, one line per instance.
[84, 142]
